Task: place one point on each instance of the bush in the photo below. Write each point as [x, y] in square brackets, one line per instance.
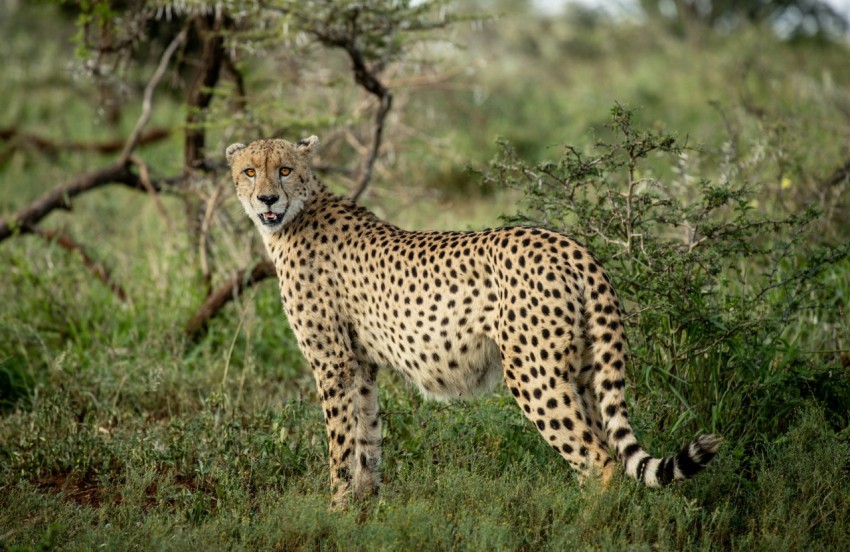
[712, 286]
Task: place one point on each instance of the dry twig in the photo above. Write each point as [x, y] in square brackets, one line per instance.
[147, 99]
[145, 179]
[206, 225]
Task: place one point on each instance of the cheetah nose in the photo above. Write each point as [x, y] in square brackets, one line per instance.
[268, 199]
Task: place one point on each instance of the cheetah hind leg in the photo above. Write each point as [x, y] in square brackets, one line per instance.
[553, 405]
[604, 475]
[367, 444]
[593, 417]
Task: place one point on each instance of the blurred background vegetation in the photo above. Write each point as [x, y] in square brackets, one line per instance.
[152, 395]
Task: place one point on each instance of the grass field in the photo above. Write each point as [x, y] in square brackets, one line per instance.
[119, 432]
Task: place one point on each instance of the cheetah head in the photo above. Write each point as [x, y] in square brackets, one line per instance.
[273, 179]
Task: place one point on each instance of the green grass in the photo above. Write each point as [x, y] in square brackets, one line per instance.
[117, 432]
[83, 472]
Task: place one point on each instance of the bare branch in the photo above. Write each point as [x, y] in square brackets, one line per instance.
[51, 147]
[119, 172]
[145, 180]
[377, 136]
[147, 100]
[368, 79]
[60, 197]
[243, 279]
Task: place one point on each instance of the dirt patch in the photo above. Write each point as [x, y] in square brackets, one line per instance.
[83, 491]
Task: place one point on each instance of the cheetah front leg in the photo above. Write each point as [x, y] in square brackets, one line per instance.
[335, 380]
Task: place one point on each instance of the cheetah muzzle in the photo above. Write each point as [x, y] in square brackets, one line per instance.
[454, 312]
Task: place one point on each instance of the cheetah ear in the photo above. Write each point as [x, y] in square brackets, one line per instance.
[231, 152]
[307, 145]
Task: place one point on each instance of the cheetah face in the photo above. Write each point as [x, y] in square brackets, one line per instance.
[272, 179]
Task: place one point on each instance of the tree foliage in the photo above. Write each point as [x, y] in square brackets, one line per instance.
[209, 48]
[793, 18]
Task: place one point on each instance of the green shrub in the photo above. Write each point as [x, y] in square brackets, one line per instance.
[712, 286]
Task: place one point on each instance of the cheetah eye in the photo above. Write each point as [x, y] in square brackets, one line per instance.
[285, 171]
[250, 172]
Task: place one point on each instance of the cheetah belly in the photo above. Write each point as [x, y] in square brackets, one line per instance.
[469, 365]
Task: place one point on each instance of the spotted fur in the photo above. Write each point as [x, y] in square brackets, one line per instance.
[452, 311]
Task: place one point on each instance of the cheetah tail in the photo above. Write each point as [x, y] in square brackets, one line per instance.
[655, 472]
[606, 333]
[639, 464]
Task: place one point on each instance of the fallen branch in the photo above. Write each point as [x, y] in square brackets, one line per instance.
[227, 292]
[94, 267]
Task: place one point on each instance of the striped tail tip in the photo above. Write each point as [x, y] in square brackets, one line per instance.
[692, 459]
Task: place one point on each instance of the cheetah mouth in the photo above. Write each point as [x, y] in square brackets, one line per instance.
[270, 218]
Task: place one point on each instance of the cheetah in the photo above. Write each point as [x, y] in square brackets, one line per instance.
[454, 312]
